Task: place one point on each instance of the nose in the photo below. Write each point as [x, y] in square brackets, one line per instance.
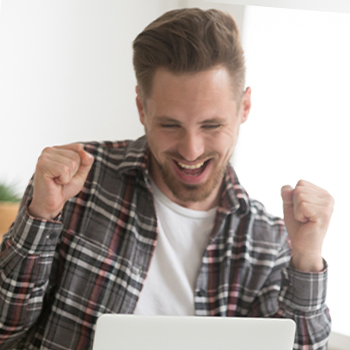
[191, 146]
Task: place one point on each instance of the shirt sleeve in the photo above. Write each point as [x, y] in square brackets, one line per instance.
[26, 256]
[302, 297]
[288, 293]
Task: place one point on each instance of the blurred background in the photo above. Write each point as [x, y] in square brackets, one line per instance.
[66, 75]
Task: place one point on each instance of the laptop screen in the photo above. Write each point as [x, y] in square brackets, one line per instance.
[134, 332]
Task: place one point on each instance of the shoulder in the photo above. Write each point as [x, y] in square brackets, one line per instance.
[105, 149]
[120, 155]
[260, 228]
[265, 227]
[258, 211]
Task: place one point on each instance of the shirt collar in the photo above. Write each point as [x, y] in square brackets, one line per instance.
[234, 198]
[136, 157]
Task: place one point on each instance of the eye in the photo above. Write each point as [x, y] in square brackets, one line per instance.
[211, 126]
[169, 126]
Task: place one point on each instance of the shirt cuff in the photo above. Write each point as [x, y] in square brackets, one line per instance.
[35, 235]
[305, 292]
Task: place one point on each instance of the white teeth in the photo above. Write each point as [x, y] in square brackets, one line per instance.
[196, 166]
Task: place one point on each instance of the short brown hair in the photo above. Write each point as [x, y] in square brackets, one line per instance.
[187, 41]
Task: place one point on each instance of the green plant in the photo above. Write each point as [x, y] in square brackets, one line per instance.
[8, 193]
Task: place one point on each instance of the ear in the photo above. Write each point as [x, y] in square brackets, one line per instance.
[246, 105]
[140, 106]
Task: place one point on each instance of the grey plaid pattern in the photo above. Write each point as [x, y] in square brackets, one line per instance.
[58, 277]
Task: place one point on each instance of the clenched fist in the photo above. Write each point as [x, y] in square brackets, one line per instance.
[307, 213]
[60, 174]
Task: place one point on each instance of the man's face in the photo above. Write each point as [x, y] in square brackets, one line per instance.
[192, 124]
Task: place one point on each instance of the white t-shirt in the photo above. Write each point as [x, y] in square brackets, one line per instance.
[183, 236]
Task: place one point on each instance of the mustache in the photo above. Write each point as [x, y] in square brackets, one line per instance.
[203, 157]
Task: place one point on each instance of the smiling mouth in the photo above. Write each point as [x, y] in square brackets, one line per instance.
[192, 170]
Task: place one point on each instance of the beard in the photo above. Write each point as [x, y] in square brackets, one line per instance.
[192, 192]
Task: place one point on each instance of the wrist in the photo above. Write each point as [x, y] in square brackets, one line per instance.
[41, 214]
[307, 263]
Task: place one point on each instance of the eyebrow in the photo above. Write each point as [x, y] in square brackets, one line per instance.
[215, 120]
[165, 119]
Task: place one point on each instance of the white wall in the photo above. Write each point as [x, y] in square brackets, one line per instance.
[66, 75]
[237, 11]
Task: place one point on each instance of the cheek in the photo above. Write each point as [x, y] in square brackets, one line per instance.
[161, 142]
[223, 143]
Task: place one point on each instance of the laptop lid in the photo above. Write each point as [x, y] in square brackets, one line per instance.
[134, 332]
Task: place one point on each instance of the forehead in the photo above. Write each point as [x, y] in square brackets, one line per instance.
[192, 92]
[215, 78]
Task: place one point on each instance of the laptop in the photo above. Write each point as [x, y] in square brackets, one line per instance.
[135, 332]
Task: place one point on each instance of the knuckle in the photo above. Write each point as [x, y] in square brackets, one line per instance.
[75, 147]
[329, 213]
[80, 146]
[303, 206]
[301, 197]
[66, 170]
[47, 149]
[330, 202]
[330, 199]
[72, 164]
[298, 189]
[330, 207]
[45, 153]
[301, 183]
[42, 160]
[298, 194]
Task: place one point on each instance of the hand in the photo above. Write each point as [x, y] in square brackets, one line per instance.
[307, 213]
[60, 174]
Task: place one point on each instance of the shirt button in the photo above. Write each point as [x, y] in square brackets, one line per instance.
[52, 236]
[201, 293]
[138, 271]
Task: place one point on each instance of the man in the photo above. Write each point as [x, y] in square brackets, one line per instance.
[161, 225]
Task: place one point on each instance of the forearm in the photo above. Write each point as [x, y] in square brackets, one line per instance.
[25, 263]
[302, 298]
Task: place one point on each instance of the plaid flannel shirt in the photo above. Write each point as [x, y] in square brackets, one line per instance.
[57, 277]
